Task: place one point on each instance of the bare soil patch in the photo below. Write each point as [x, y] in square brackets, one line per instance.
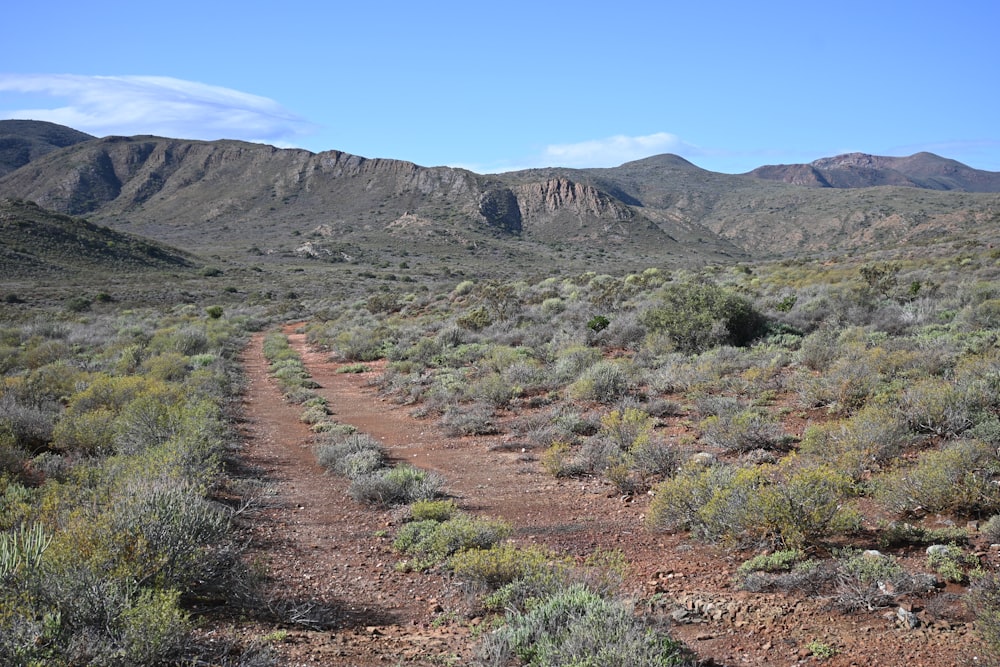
[333, 557]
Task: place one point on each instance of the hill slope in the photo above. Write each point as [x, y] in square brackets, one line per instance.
[22, 141]
[35, 242]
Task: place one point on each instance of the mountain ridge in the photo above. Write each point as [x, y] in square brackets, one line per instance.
[921, 170]
[244, 199]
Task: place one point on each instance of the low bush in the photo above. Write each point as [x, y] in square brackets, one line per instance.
[399, 485]
[951, 562]
[958, 479]
[786, 504]
[429, 543]
[859, 444]
[984, 601]
[896, 534]
[433, 510]
[698, 316]
[781, 560]
[576, 626]
[744, 431]
[870, 580]
[469, 419]
[503, 564]
[354, 455]
[605, 382]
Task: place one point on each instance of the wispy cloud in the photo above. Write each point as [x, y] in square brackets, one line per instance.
[165, 106]
[613, 151]
[607, 152]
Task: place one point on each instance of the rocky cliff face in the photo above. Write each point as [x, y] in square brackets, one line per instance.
[563, 195]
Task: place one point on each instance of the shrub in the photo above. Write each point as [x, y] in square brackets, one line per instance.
[399, 485]
[742, 432]
[353, 455]
[503, 564]
[22, 549]
[572, 361]
[937, 407]
[772, 562]
[870, 580]
[960, 479]
[678, 502]
[859, 444]
[430, 542]
[474, 419]
[433, 510]
[701, 316]
[628, 428]
[950, 561]
[801, 506]
[576, 626]
[984, 601]
[605, 382]
[895, 534]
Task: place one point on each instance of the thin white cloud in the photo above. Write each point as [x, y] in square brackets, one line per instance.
[613, 151]
[608, 152]
[165, 106]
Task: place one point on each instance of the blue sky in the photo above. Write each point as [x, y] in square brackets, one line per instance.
[514, 84]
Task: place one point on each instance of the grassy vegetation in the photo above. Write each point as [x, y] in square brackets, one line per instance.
[806, 412]
[114, 441]
[793, 406]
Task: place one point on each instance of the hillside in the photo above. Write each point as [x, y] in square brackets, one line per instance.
[35, 242]
[22, 141]
[248, 201]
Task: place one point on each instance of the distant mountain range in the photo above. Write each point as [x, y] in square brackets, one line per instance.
[859, 170]
[243, 200]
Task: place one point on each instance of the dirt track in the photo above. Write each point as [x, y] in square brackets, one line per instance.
[334, 557]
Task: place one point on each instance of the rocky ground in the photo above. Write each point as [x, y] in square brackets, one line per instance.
[330, 559]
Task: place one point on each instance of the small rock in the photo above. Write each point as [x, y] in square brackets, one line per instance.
[907, 619]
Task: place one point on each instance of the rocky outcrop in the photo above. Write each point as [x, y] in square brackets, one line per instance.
[562, 195]
[500, 208]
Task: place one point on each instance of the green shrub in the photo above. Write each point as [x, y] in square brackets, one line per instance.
[951, 562]
[803, 505]
[399, 485]
[21, 549]
[578, 627]
[699, 316]
[937, 407]
[627, 428]
[429, 542]
[895, 534]
[984, 602]
[743, 431]
[786, 504]
[605, 382]
[772, 562]
[859, 444]
[959, 479]
[679, 503]
[503, 564]
[433, 510]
